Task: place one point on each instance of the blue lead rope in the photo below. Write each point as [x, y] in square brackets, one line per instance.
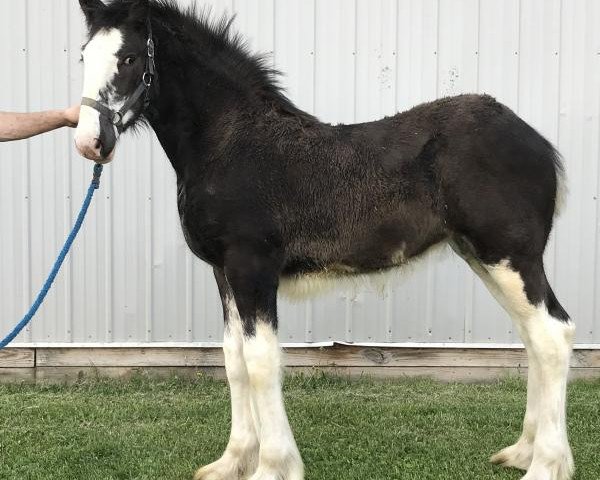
[61, 256]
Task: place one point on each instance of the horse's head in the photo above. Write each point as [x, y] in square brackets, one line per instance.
[118, 74]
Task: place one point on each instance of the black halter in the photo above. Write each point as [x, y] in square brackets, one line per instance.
[116, 116]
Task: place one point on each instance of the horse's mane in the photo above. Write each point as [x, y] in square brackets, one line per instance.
[213, 41]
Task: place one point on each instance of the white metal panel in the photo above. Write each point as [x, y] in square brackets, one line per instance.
[579, 94]
[14, 174]
[131, 278]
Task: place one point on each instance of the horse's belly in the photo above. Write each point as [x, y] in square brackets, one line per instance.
[307, 285]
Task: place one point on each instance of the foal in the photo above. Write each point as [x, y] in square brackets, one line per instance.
[269, 196]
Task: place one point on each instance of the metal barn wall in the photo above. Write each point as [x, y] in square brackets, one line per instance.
[130, 277]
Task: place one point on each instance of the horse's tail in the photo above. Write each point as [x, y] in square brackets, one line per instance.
[562, 189]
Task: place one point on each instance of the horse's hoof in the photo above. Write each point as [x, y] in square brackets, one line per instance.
[290, 469]
[273, 476]
[518, 456]
[229, 467]
[562, 469]
[216, 471]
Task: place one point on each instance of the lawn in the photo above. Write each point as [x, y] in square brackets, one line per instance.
[346, 429]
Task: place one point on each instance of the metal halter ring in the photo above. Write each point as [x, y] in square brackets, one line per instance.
[147, 78]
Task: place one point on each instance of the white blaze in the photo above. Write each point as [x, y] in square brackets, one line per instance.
[100, 67]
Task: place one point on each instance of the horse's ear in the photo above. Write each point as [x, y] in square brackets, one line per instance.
[90, 8]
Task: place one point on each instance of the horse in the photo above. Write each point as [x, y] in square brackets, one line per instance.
[274, 199]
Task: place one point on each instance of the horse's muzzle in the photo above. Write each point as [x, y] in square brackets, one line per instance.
[95, 137]
[93, 150]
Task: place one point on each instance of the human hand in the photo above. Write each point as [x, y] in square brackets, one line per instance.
[71, 116]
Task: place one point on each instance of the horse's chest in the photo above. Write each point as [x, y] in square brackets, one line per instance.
[200, 229]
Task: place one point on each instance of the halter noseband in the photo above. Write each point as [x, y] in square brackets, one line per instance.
[116, 116]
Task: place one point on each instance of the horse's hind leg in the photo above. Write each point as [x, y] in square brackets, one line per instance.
[520, 454]
[240, 459]
[520, 285]
[548, 333]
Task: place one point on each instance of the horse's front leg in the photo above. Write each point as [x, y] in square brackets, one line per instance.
[241, 455]
[254, 282]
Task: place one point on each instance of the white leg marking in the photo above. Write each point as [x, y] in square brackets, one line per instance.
[279, 458]
[549, 342]
[512, 287]
[241, 455]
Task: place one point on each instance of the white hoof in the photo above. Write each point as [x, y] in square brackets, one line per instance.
[275, 475]
[231, 466]
[265, 476]
[562, 469]
[518, 456]
[289, 469]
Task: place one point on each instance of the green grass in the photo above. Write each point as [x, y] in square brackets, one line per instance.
[346, 429]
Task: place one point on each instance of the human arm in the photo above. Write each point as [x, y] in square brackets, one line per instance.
[17, 126]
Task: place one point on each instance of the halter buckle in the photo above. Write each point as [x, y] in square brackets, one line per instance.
[150, 46]
[117, 118]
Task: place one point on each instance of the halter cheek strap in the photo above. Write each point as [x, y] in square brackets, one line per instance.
[116, 117]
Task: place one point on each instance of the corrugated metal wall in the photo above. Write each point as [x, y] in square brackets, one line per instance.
[131, 278]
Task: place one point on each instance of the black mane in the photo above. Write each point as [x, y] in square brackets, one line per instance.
[211, 41]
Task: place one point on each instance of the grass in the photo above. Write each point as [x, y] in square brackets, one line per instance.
[346, 429]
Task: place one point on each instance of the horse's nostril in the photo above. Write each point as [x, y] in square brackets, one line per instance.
[97, 144]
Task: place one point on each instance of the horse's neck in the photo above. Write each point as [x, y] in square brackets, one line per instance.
[182, 116]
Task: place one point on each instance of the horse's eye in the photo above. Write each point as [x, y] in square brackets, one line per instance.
[129, 60]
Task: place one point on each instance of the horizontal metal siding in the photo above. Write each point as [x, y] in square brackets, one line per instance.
[131, 278]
